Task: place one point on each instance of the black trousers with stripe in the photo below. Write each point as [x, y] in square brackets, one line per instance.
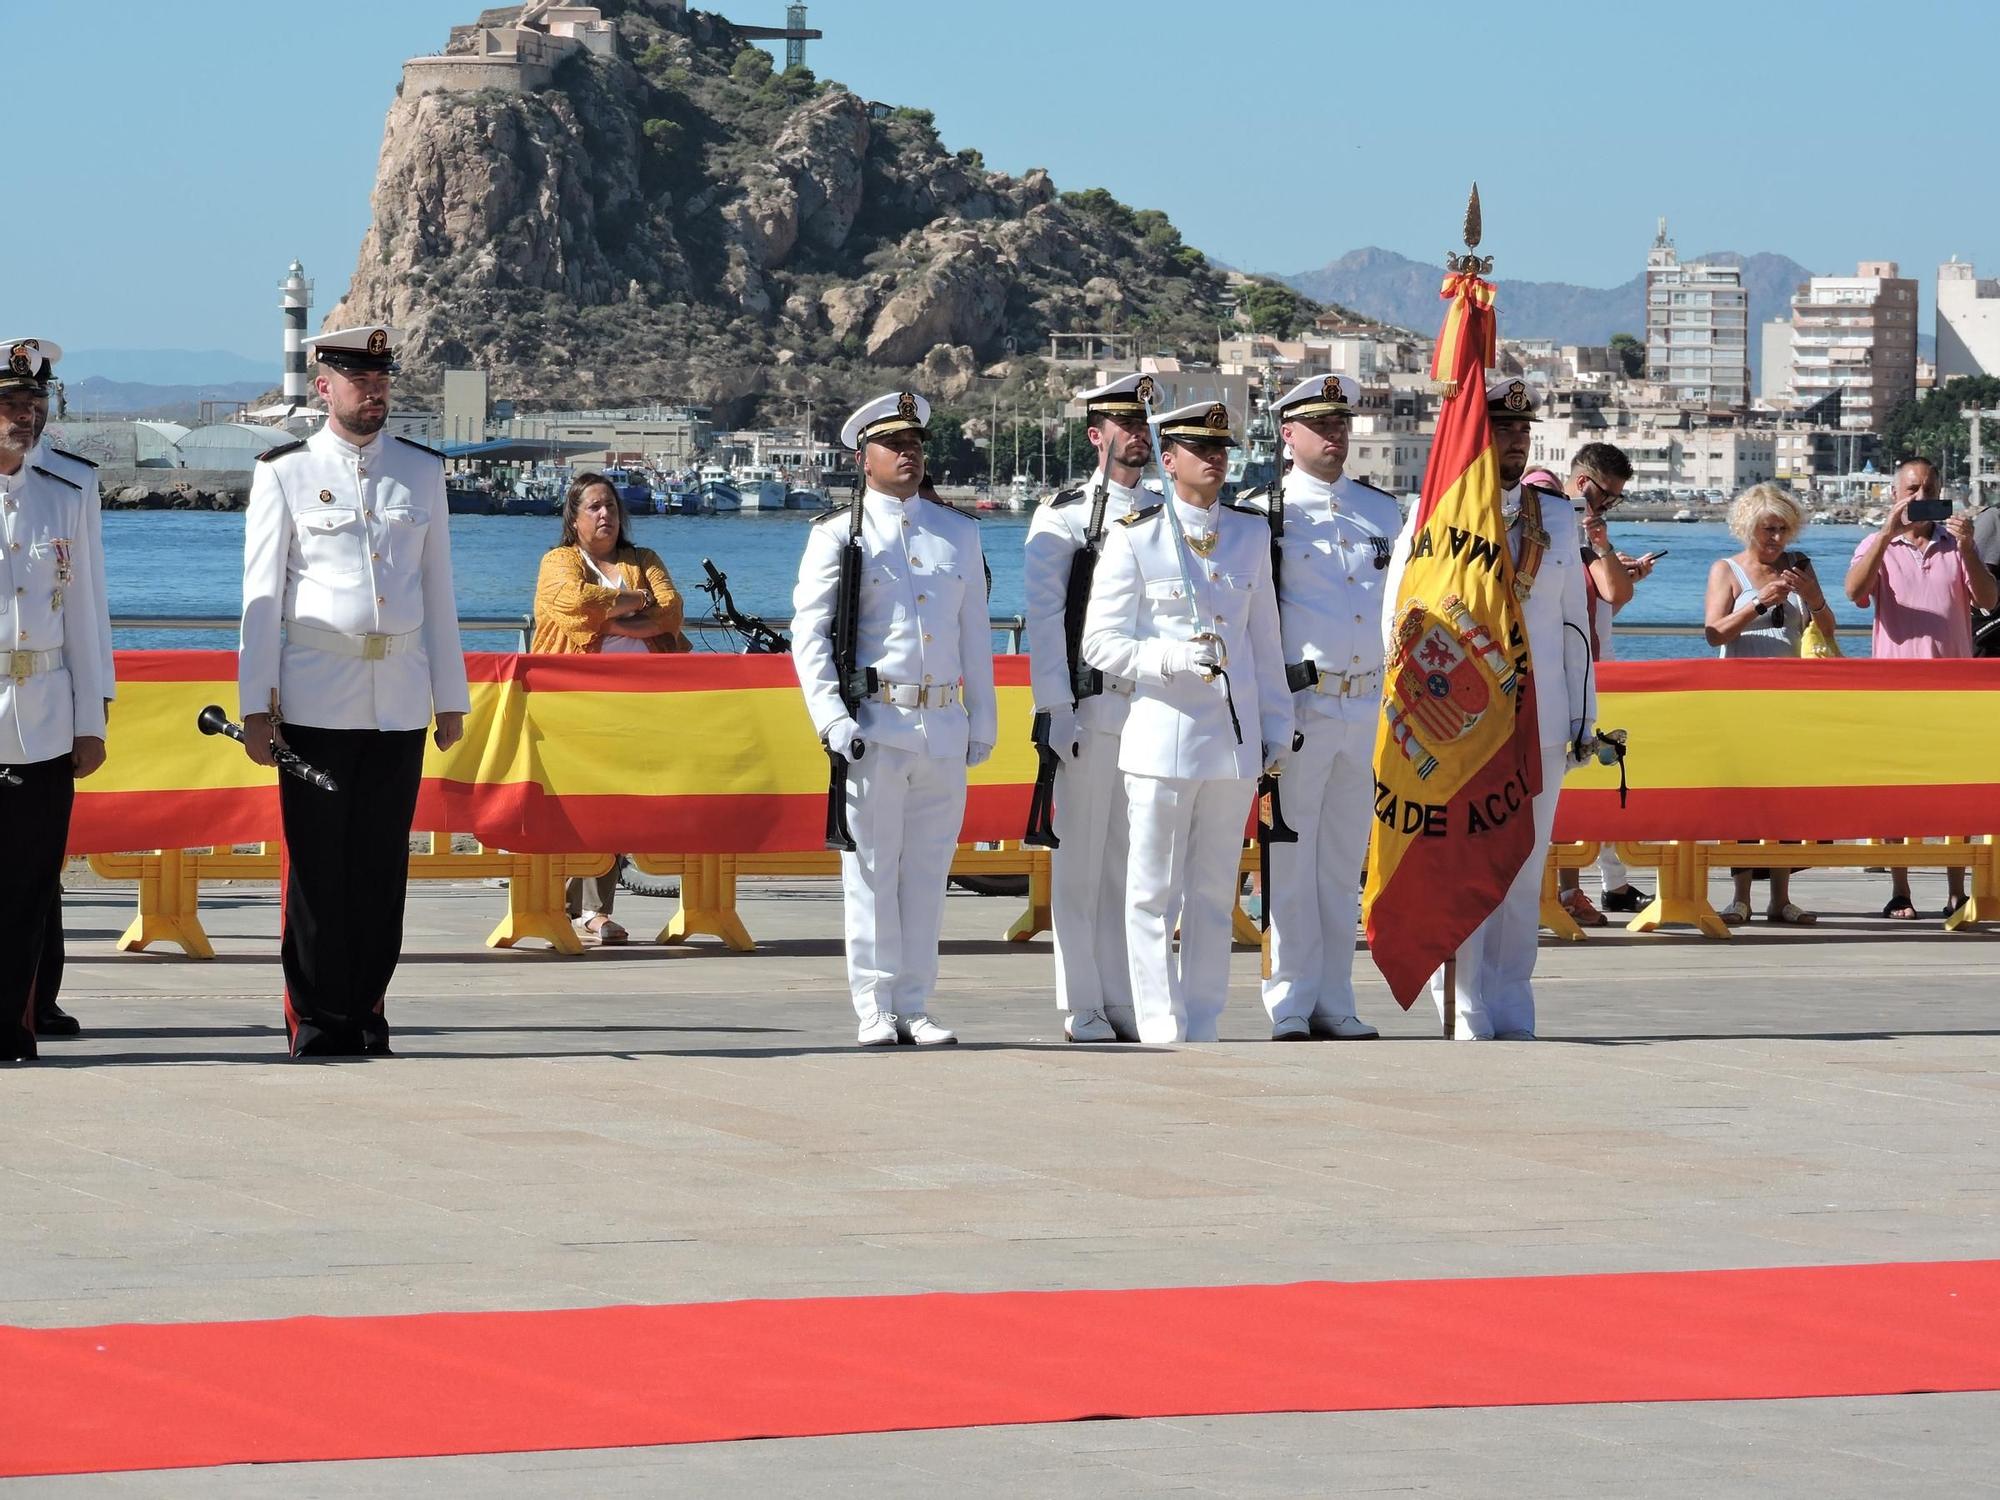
[35, 817]
[349, 854]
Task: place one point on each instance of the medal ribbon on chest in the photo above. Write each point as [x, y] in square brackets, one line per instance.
[64, 573]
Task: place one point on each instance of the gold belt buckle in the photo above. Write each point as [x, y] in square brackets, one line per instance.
[21, 667]
[374, 647]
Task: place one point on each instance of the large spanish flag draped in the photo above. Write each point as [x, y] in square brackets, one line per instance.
[1455, 757]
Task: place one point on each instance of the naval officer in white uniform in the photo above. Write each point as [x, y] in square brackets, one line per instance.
[1496, 965]
[1183, 606]
[350, 652]
[1087, 869]
[1337, 536]
[923, 637]
[53, 685]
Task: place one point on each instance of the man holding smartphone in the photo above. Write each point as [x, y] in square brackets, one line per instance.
[1924, 581]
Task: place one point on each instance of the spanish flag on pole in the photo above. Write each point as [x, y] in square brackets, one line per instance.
[1456, 758]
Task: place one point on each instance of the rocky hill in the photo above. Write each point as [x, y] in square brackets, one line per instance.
[680, 221]
[1399, 290]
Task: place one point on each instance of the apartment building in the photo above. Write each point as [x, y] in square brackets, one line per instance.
[1856, 335]
[1697, 329]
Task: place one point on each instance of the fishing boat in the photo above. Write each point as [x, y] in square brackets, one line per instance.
[760, 487]
[1021, 494]
[462, 500]
[806, 499]
[1684, 514]
[718, 492]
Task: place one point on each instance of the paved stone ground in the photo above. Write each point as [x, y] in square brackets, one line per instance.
[678, 1125]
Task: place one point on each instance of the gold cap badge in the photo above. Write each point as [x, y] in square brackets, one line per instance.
[1144, 389]
[378, 341]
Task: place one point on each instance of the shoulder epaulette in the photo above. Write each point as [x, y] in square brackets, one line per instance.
[1375, 487]
[1245, 510]
[56, 477]
[830, 513]
[1063, 497]
[1137, 516]
[420, 447]
[280, 451]
[75, 458]
[1541, 489]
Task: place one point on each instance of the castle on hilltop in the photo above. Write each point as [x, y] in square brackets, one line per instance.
[516, 50]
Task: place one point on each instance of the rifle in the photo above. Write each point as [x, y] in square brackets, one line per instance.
[1085, 681]
[759, 637]
[855, 682]
[1298, 676]
[1041, 832]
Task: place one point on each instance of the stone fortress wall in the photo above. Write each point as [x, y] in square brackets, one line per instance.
[515, 51]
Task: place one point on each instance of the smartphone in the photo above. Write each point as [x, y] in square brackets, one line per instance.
[1929, 510]
[1654, 556]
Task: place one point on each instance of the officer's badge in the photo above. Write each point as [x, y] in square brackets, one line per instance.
[378, 341]
[18, 360]
[1144, 390]
[906, 407]
[326, 497]
[1516, 398]
[1330, 391]
[1217, 418]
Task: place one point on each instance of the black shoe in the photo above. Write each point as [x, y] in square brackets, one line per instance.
[311, 1044]
[1626, 898]
[53, 1020]
[374, 1045]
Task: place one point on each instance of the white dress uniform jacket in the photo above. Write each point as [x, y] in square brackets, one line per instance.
[83, 473]
[52, 618]
[923, 622]
[1087, 871]
[1335, 550]
[1179, 725]
[354, 541]
[1496, 965]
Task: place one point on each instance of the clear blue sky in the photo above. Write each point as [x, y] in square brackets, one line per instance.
[189, 153]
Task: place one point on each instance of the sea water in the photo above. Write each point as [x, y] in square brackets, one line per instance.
[188, 564]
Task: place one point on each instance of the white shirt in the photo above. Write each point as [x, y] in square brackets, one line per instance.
[923, 622]
[1335, 548]
[49, 602]
[1179, 725]
[1556, 615]
[352, 540]
[1055, 538]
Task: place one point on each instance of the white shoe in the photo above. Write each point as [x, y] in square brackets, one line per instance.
[922, 1031]
[879, 1030]
[1342, 1029]
[1088, 1026]
[1291, 1029]
[1513, 1036]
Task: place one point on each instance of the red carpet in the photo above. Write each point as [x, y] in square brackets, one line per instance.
[170, 1396]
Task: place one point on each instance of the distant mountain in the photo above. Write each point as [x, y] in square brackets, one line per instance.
[1396, 289]
[98, 397]
[168, 366]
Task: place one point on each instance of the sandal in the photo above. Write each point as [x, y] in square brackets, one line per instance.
[1580, 909]
[1735, 914]
[1899, 911]
[1790, 915]
[603, 930]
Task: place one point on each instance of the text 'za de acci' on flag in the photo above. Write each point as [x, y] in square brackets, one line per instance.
[1456, 757]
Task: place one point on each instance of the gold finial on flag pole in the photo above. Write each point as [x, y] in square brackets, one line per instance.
[1470, 264]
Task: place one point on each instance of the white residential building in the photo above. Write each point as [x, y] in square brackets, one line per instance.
[1856, 335]
[1968, 322]
[1697, 329]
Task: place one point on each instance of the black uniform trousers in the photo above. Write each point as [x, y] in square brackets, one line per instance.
[349, 854]
[35, 815]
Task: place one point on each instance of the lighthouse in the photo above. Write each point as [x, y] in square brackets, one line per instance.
[297, 298]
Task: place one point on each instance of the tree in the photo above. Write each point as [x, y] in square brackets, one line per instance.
[1932, 427]
[946, 447]
[1276, 309]
[753, 66]
[1630, 354]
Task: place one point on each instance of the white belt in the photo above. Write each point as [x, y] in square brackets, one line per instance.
[1347, 684]
[917, 695]
[365, 647]
[21, 665]
[1122, 686]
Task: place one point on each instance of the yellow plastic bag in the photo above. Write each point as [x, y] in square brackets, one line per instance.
[1818, 642]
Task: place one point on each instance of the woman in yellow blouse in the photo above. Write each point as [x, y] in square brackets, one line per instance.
[599, 593]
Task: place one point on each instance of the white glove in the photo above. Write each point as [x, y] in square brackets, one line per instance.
[1277, 761]
[1582, 746]
[843, 737]
[1188, 656]
[977, 754]
[1065, 733]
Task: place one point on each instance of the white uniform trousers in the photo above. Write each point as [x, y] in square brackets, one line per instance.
[1496, 965]
[1087, 880]
[905, 811]
[1612, 869]
[1187, 842]
[1327, 796]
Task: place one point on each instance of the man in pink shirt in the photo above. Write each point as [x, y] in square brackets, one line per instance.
[1923, 582]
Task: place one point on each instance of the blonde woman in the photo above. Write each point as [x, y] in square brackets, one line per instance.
[599, 593]
[1759, 603]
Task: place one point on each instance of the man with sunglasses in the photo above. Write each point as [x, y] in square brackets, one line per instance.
[1087, 869]
[350, 651]
[1337, 533]
[1183, 607]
